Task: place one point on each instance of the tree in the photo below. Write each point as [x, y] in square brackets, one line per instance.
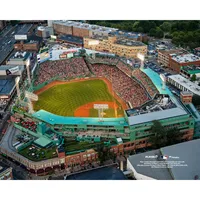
[173, 136]
[196, 100]
[159, 33]
[158, 137]
[152, 32]
[162, 136]
[104, 153]
[193, 78]
[140, 30]
[82, 52]
[166, 28]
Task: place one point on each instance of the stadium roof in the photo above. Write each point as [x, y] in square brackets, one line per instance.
[7, 85]
[188, 152]
[189, 85]
[42, 141]
[158, 115]
[56, 119]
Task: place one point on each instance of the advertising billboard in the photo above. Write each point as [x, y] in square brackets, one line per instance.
[53, 37]
[20, 37]
[94, 42]
[12, 70]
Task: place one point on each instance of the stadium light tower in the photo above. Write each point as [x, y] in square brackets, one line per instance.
[163, 78]
[17, 79]
[28, 71]
[31, 97]
[141, 57]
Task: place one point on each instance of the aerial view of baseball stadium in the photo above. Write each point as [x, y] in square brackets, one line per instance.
[84, 103]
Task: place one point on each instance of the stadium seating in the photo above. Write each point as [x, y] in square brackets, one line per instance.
[146, 81]
[69, 68]
[116, 71]
[128, 89]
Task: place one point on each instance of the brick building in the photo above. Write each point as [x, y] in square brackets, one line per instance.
[80, 29]
[177, 61]
[26, 46]
[164, 56]
[112, 44]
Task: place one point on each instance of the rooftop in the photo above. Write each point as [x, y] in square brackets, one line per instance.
[171, 51]
[7, 85]
[159, 103]
[3, 167]
[104, 173]
[20, 55]
[185, 58]
[70, 38]
[189, 85]
[42, 141]
[161, 107]
[188, 152]
[129, 42]
[191, 69]
[56, 119]
[125, 34]
[156, 173]
[85, 26]
[4, 67]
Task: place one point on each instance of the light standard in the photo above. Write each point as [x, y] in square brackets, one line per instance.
[141, 57]
[17, 79]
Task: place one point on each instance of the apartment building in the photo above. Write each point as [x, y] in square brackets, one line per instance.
[121, 47]
[164, 56]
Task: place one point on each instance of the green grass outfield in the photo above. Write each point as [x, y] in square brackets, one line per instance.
[64, 99]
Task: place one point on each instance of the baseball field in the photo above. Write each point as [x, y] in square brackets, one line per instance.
[77, 98]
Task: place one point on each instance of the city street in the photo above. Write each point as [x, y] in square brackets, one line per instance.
[7, 39]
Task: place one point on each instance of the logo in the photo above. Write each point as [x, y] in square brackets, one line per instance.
[165, 157]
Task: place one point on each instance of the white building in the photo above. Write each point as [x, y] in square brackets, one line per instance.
[183, 84]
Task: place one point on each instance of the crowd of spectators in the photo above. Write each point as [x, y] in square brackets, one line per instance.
[64, 69]
[146, 82]
[103, 60]
[31, 125]
[116, 71]
[122, 66]
[128, 89]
